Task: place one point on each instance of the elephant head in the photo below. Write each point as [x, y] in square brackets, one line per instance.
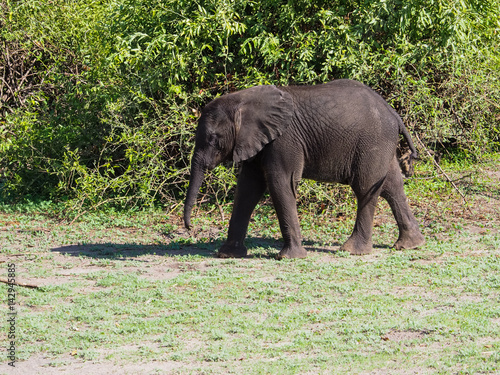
[236, 127]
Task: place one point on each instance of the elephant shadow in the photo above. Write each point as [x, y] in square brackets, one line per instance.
[126, 251]
[206, 248]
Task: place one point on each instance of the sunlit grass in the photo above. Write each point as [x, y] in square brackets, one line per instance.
[136, 287]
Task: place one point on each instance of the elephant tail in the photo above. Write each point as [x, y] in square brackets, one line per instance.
[406, 161]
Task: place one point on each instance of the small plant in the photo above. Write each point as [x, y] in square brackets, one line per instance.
[102, 114]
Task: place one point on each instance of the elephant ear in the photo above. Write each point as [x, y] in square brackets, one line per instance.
[263, 114]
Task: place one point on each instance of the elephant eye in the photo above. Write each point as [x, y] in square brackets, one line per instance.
[213, 141]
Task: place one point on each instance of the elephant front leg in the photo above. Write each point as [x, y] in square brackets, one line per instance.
[249, 190]
[283, 194]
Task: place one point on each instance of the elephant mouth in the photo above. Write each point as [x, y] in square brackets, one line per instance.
[227, 163]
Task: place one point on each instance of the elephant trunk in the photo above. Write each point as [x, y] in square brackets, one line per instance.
[195, 181]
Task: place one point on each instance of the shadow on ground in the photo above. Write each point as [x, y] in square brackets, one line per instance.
[268, 248]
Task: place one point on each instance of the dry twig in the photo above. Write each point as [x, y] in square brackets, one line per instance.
[25, 285]
[444, 174]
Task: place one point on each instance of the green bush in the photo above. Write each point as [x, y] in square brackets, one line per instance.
[108, 109]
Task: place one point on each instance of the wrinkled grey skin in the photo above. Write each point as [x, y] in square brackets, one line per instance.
[336, 132]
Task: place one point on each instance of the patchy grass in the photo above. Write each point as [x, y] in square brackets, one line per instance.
[136, 293]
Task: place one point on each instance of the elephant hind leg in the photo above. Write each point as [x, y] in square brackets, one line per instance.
[410, 236]
[360, 242]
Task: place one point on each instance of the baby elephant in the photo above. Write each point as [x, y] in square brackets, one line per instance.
[340, 131]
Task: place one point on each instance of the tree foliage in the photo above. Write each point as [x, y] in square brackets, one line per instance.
[99, 98]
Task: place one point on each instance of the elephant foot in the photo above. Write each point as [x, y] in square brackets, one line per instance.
[232, 250]
[292, 252]
[410, 240]
[357, 247]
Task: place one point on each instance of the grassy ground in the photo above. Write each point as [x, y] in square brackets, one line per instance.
[136, 293]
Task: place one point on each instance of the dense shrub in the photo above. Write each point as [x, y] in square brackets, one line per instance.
[100, 98]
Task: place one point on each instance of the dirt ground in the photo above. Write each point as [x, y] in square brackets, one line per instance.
[482, 217]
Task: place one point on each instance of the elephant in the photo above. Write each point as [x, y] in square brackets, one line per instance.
[341, 131]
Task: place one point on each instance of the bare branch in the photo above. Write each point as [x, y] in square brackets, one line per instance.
[444, 174]
[25, 285]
